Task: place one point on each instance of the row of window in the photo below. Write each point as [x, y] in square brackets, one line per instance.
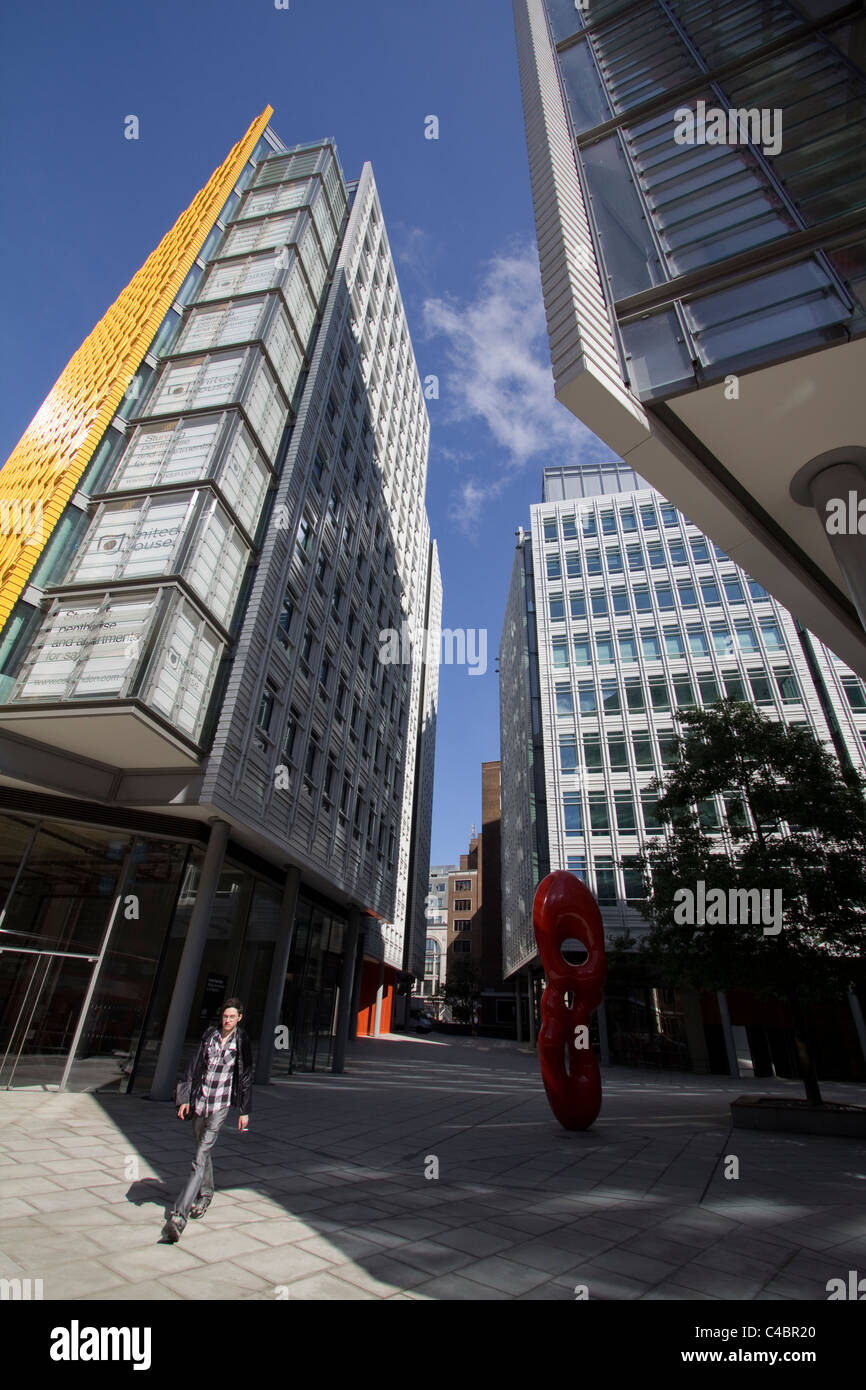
[600, 649]
[628, 522]
[611, 697]
[658, 557]
[602, 600]
[593, 814]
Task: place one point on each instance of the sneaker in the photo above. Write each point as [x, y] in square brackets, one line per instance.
[173, 1228]
[200, 1207]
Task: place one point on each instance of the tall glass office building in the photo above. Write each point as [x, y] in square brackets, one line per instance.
[209, 782]
[699, 178]
[620, 612]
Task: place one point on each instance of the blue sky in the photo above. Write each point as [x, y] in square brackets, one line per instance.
[85, 207]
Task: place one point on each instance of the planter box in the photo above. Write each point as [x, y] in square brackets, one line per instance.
[799, 1116]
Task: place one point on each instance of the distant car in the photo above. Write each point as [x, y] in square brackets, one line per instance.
[420, 1021]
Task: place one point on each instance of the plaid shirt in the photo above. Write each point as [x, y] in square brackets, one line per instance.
[216, 1086]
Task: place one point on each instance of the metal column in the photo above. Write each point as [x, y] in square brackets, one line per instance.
[174, 1033]
[347, 981]
[277, 981]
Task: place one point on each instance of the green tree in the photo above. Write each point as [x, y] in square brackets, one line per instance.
[798, 829]
[463, 986]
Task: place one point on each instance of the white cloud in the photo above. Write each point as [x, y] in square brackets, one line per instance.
[499, 362]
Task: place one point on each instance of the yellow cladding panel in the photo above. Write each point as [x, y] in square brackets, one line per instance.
[46, 465]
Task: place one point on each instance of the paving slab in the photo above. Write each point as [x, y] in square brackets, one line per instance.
[327, 1195]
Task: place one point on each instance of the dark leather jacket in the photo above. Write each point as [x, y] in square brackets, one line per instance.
[242, 1081]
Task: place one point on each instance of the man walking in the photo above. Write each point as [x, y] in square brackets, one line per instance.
[219, 1075]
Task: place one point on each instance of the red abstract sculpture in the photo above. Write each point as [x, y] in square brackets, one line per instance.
[563, 908]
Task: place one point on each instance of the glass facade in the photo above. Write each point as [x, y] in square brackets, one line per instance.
[702, 137]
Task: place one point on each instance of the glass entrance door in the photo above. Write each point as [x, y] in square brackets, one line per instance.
[40, 1001]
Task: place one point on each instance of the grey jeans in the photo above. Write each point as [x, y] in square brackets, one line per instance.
[206, 1130]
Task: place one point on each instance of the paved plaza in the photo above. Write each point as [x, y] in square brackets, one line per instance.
[333, 1195]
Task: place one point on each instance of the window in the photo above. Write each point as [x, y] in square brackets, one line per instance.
[462, 924]
[635, 557]
[667, 749]
[462, 904]
[683, 693]
[733, 590]
[318, 466]
[709, 689]
[642, 600]
[643, 752]
[560, 651]
[620, 601]
[656, 555]
[599, 604]
[572, 564]
[578, 605]
[720, 554]
[746, 639]
[550, 528]
[688, 597]
[608, 523]
[604, 648]
[700, 549]
[586, 697]
[325, 672]
[554, 567]
[610, 697]
[284, 622]
[569, 528]
[734, 689]
[616, 751]
[669, 514]
[592, 752]
[605, 881]
[678, 552]
[290, 736]
[710, 591]
[593, 561]
[634, 695]
[599, 819]
[307, 645]
[722, 640]
[854, 692]
[311, 760]
[305, 533]
[787, 683]
[649, 806]
[698, 644]
[567, 753]
[266, 709]
[659, 694]
[582, 652]
[557, 608]
[461, 946]
[463, 885]
[588, 524]
[761, 688]
[708, 815]
[626, 823]
[613, 555]
[577, 866]
[627, 519]
[674, 642]
[648, 517]
[632, 880]
[758, 592]
[564, 700]
[664, 596]
[573, 814]
[627, 645]
[772, 637]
